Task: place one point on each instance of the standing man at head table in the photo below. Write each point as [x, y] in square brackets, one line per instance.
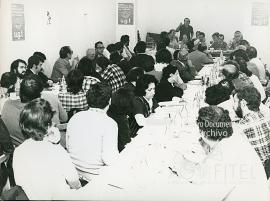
[185, 29]
[62, 66]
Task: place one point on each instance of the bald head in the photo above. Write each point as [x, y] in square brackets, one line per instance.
[230, 71]
[91, 53]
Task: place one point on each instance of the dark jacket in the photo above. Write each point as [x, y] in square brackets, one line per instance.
[41, 75]
[124, 134]
[165, 91]
[142, 60]
[186, 72]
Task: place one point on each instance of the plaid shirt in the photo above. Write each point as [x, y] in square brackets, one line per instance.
[88, 81]
[73, 101]
[115, 77]
[257, 128]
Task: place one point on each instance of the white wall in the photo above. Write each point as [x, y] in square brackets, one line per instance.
[81, 23]
[78, 23]
[209, 16]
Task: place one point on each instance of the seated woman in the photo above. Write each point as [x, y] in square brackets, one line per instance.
[144, 103]
[87, 68]
[232, 169]
[120, 108]
[7, 86]
[167, 89]
[42, 168]
[75, 97]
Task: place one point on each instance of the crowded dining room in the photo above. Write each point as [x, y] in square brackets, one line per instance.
[135, 100]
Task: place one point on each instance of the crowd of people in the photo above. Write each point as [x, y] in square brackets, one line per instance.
[110, 93]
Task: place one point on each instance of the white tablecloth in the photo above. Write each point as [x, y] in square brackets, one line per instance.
[156, 164]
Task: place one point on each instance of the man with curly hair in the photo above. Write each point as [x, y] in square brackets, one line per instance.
[231, 168]
[255, 123]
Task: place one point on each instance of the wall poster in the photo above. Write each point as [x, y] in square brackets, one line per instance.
[18, 23]
[260, 14]
[125, 13]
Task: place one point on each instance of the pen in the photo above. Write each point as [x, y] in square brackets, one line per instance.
[174, 172]
[115, 186]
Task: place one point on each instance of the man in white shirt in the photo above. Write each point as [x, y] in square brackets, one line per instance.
[252, 54]
[92, 136]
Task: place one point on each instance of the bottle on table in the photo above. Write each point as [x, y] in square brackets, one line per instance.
[63, 85]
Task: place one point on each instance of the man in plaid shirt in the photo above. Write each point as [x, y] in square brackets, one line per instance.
[255, 123]
[88, 81]
[73, 101]
[112, 74]
[74, 98]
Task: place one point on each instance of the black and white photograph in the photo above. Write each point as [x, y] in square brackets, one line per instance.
[135, 100]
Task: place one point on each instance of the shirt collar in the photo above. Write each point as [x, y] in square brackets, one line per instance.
[96, 110]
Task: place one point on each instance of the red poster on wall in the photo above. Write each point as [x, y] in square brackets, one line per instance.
[125, 13]
[18, 24]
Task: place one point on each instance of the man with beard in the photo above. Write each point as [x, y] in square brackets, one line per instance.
[254, 123]
[19, 68]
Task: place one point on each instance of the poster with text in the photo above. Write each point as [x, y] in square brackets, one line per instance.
[18, 24]
[125, 13]
[260, 14]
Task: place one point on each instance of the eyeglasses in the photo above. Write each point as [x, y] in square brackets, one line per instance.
[100, 47]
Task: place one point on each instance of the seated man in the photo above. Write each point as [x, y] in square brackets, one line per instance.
[185, 67]
[231, 166]
[199, 57]
[235, 42]
[75, 98]
[252, 54]
[41, 167]
[232, 73]
[218, 42]
[31, 88]
[100, 51]
[111, 73]
[254, 122]
[62, 66]
[35, 67]
[92, 135]
[141, 59]
[7, 86]
[91, 54]
[18, 67]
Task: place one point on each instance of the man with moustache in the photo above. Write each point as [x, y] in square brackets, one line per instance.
[254, 122]
[18, 67]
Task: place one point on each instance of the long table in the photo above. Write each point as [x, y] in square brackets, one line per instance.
[158, 163]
